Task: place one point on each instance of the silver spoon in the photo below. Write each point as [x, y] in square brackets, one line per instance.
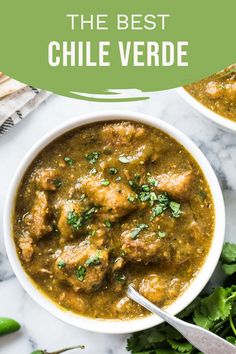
[205, 341]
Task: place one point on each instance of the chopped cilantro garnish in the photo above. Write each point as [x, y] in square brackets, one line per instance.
[152, 181]
[131, 198]
[89, 213]
[120, 277]
[163, 200]
[105, 182]
[157, 210]
[61, 264]
[107, 223]
[175, 209]
[202, 194]
[57, 182]
[94, 259]
[93, 171]
[228, 258]
[153, 196]
[161, 234]
[80, 273]
[113, 171]
[93, 157]
[69, 160]
[76, 221]
[82, 197]
[137, 230]
[125, 159]
[144, 196]
[145, 188]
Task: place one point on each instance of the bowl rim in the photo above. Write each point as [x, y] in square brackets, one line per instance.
[197, 284]
[223, 122]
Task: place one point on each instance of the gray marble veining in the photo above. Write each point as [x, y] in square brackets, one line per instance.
[40, 329]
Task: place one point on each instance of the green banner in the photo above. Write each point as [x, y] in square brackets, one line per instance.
[73, 46]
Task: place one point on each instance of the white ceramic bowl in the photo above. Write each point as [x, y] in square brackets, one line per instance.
[117, 326]
[216, 118]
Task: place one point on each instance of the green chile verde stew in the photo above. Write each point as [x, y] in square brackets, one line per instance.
[217, 92]
[110, 204]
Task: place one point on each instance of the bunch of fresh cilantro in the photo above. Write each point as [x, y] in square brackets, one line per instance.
[215, 311]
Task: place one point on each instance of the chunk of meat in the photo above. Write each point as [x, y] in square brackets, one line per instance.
[146, 248]
[143, 154]
[230, 91]
[120, 134]
[37, 220]
[82, 266]
[159, 290]
[177, 185]
[220, 88]
[154, 288]
[45, 178]
[112, 198]
[214, 89]
[72, 302]
[185, 246]
[137, 158]
[64, 207]
[97, 235]
[125, 306]
[26, 246]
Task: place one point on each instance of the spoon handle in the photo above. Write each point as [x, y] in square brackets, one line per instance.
[205, 341]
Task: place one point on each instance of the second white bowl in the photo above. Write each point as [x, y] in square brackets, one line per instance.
[223, 122]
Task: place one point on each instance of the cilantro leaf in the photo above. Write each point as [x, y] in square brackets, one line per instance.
[113, 171]
[161, 234]
[108, 224]
[228, 253]
[61, 264]
[212, 308]
[57, 182]
[229, 269]
[181, 347]
[80, 273]
[69, 161]
[105, 182]
[94, 259]
[153, 182]
[175, 209]
[157, 210]
[93, 171]
[228, 258]
[92, 157]
[76, 221]
[134, 234]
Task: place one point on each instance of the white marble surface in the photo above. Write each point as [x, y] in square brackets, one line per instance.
[40, 329]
